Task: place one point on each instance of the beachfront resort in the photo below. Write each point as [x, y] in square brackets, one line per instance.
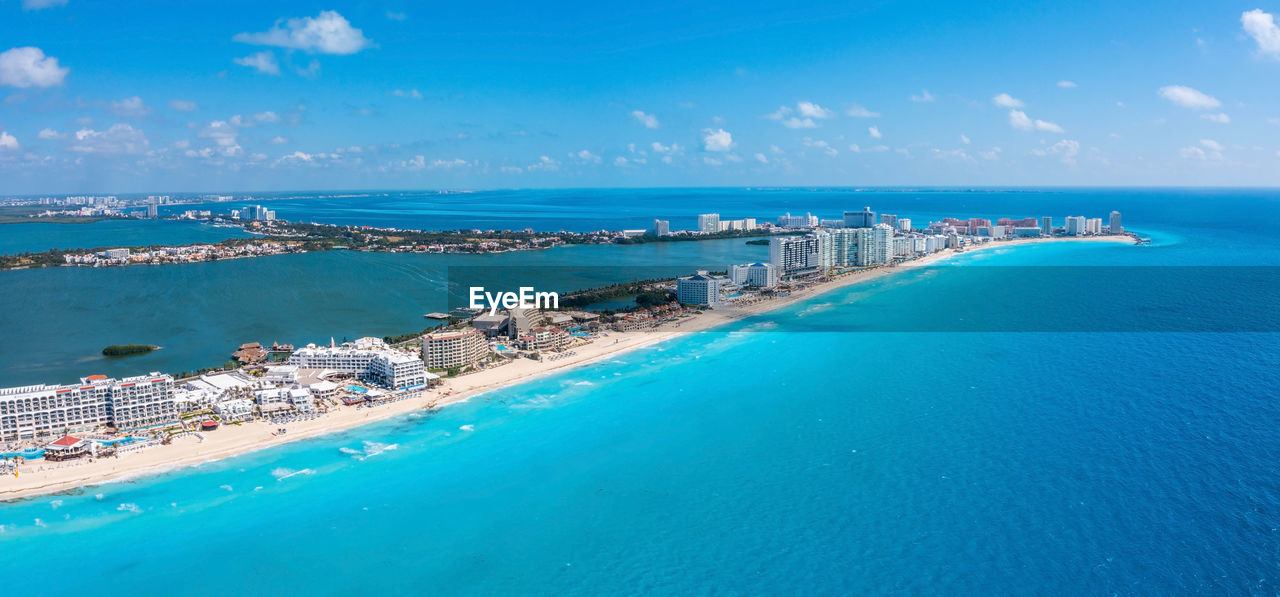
[99, 417]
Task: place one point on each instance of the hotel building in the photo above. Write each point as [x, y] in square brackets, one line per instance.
[860, 219]
[708, 223]
[367, 358]
[443, 350]
[698, 289]
[42, 410]
[1075, 225]
[795, 255]
[759, 275]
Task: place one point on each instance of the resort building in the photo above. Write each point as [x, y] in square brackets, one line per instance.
[757, 275]
[1093, 226]
[542, 339]
[661, 227]
[708, 223]
[1046, 225]
[698, 289]
[397, 370]
[789, 221]
[860, 219]
[794, 256]
[1115, 226]
[366, 358]
[443, 350]
[35, 411]
[1075, 225]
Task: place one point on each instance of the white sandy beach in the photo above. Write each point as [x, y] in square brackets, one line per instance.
[39, 477]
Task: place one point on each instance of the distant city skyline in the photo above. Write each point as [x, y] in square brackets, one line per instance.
[235, 96]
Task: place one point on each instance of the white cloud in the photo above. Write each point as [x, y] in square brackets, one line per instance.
[717, 140]
[1188, 98]
[991, 156]
[807, 113]
[224, 135]
[267, 117]
[924, 97]
[326, 33]
[648, 120]
[1067, 84]
[620, 161]
[853, 147]
[181, 105]
[1067, 149]
[119, 139]
[48, 134]
[8, 141]
[710, 161]
[396, 16]
[29, 67]
[512, 170]
[760, 157]
[1019, 120]
[1220, 118]
[1005, 100]
[1262, 28]
[776, 150]
[858, 111]
[1208, 150]
[544, 163]
[411, 93]
[130, 107]
[964, 139]
[874, 132]
[41, 4]
[447, 164]
[823, 145]
[264, 61]
[812, 110]
[660, 148]
[587, 156]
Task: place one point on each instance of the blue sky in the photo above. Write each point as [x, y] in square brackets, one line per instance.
[227, 96]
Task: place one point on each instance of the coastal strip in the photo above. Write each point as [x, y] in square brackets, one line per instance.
[235, 440]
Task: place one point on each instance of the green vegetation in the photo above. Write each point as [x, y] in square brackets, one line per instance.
[125, 350]
[645, 295]
[758, 241]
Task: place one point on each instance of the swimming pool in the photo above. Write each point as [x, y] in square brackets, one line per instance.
[500, 347]
[30, 454]
[358, 389]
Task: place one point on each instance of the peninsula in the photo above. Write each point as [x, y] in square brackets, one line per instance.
[237, 411]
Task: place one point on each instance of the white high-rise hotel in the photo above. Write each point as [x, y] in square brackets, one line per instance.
[36, 411]
[370, 358]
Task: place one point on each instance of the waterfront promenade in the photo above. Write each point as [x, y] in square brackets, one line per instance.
[37, 478]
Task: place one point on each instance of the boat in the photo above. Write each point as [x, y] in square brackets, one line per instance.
[436, 315]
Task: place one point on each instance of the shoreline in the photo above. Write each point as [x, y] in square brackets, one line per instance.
[232, 440]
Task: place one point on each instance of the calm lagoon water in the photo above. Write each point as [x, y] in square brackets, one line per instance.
[201, 312]
[753, 460]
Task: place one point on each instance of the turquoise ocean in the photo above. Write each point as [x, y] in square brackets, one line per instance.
[898, 436]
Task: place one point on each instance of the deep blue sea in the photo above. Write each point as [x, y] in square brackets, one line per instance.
[856, 443]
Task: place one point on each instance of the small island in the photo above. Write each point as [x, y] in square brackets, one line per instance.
[126, 350]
